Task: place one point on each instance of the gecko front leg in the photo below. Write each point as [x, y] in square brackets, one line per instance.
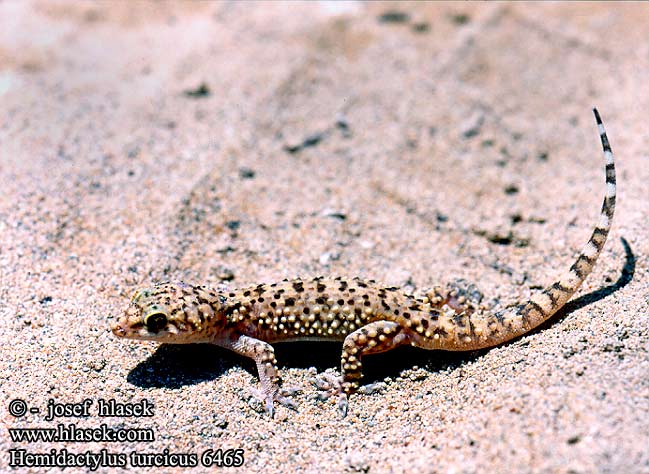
[271, 382]
[373, 338]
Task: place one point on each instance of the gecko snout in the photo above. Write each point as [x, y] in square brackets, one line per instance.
[117, 329]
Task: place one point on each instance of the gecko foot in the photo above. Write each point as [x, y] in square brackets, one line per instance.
[268, 399]
[372, 388]
[330, 385]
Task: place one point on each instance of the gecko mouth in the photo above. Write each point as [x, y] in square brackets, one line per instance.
[118, 330]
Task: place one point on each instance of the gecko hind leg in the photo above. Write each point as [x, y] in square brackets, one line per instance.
[379, 336]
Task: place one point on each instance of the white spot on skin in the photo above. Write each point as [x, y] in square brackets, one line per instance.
[572, 281]
[609, 157]
[590, 250]
[610, 189]
[542, 300]
[603, 221]
[600, 127]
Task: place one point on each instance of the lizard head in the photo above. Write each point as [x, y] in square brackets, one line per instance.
[172, 312]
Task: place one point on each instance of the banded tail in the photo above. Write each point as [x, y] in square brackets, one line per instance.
[513, 322]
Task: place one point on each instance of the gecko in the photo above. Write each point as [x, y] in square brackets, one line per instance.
[367, 317]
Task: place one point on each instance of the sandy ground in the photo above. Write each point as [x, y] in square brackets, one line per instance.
[240, 143]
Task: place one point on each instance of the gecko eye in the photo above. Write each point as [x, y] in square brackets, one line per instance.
[155, 320]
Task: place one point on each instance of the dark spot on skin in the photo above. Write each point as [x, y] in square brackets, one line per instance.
[414, 307]
[511, 189]
[202, 90]
[460, 320]
[441, 332]
[424, 323]
[277, 296]
[396, 312]
[588, 260]
[361, 284]
[422, 27]
[232, 309]
[352, 290]
[350, 301]
[320, 300]
[553, 298]
[536, 306]
[232, 295]
[261, 300]
[298, 286]
[434, 315]
[200, 300]
[405, 315]
[385, 305]
[560, 287]
[341, 302]
[358, 311]
[365, 297]
[320, 287]
[305, 310]
[290, 302]
[246, 173]
[394, 16]
[246, 293]
[367, 303]
[273, 304]
[271, 314]
[578, 271]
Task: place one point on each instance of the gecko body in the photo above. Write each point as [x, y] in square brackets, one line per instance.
[367, 317]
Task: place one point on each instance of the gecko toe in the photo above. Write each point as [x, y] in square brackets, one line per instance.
[327, 384]
[287, 402]
[283, 394]
[267, 400]
[289, 391]
[343, 404]
[372, 388]
[330, 385]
